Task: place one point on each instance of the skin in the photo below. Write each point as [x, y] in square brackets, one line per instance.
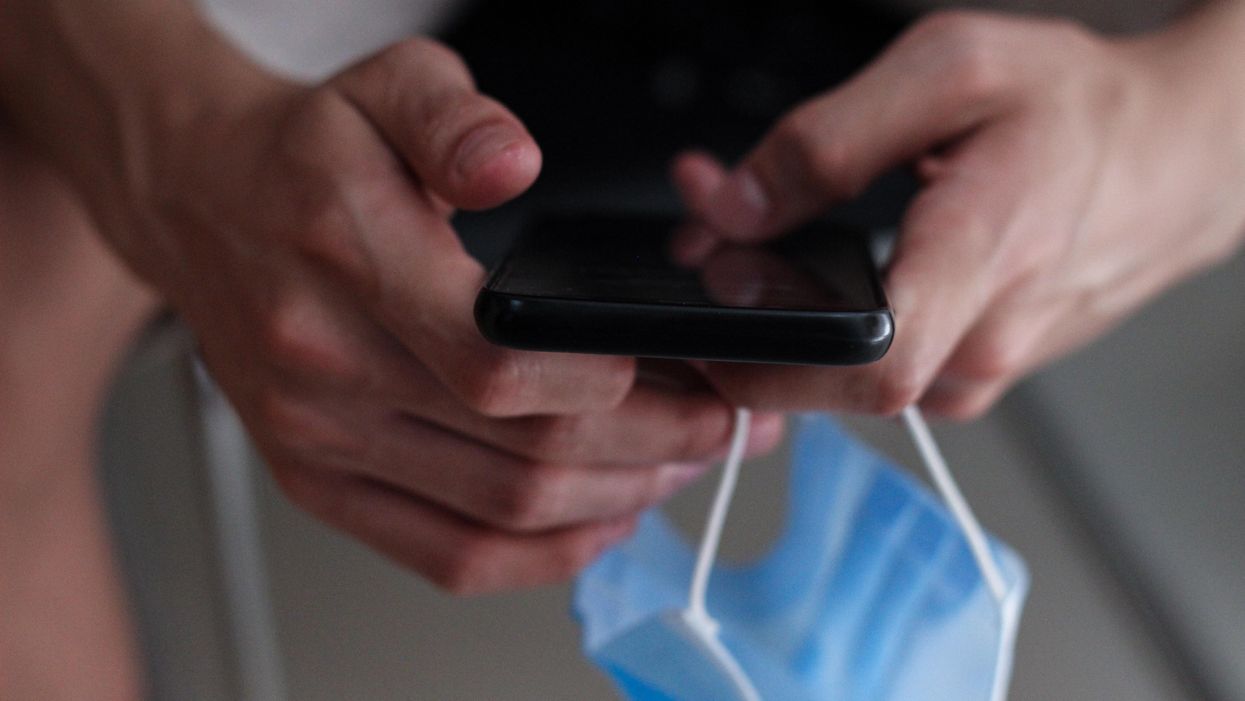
[68, 310]
[1066, 179]
[303, 232]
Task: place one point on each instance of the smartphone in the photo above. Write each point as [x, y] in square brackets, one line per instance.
[618, 284]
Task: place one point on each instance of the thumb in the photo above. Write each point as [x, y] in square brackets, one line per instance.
[924, 90]
[463, 146]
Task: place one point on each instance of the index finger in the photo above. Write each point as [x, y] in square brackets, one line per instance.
[938, 81]
[947, 268]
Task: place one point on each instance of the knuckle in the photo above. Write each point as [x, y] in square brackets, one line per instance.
[330, 238]
[966, 45]
[317, 114]
[702, 431]
[993, 357]
[535, 501]
[614, 382]
[468, 571]
[327, 177]
[975, 74]
[823, 160]
[500, 386]
[555, 437]
[300, 427]
[934, 217]
[320, 112]
[508, 383]
[294, 337]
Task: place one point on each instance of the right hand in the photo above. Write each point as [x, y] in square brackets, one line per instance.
[304, 236]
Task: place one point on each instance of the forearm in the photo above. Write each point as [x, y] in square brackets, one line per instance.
[101, 86]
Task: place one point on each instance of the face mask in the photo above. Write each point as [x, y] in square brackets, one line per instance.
[875, 591]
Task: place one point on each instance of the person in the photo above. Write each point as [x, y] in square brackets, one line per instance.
[303, 231]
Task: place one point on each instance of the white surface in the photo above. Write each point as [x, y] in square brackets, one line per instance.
[312, 38]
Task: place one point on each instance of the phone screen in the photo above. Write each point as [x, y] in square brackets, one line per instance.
[819, 268]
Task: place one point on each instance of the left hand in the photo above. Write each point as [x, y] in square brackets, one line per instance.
[1066, 179]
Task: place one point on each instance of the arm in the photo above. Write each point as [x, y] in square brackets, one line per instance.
[1066, 179]
[68, 311]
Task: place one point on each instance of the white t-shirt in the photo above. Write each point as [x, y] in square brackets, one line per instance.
[312, 38]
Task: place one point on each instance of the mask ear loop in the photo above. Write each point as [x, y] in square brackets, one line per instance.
[696, 615]
[954, 498]
[977, 542]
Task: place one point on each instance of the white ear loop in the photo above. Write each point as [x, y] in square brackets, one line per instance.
[954, 498]
[703, 625]
[696, 616]
[1009, 610]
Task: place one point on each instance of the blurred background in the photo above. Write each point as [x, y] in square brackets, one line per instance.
[1117, 473]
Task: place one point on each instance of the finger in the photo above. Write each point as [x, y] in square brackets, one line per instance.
[464, 147]
[654, 423]
[668, 374]
[962, 400]
[934, 84]
[987, 361]
[407, 264]
[430, 352]
[511, 493]
[697, 175]
[457, 555]
[651, 425]
[327, 349]
[948, 265]
[457, 472]
[1017, 335]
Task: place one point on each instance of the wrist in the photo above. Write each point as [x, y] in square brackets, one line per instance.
[104, 88]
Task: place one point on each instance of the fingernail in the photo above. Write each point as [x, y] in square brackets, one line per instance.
[484, 144]
[740, 206]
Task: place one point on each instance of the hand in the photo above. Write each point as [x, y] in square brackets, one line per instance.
[304, 235]
[1065, 178]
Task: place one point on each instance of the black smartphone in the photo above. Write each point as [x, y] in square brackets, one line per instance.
[616, 284]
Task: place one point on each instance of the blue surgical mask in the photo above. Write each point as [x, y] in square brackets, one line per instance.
[875, 591]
